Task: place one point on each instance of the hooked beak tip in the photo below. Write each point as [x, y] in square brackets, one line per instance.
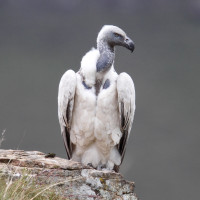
[132, 47]
[129, 44]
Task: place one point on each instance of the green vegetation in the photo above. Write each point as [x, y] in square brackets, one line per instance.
[25, 188]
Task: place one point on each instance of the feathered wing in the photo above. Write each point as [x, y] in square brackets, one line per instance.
[66, 93]
[126, 100]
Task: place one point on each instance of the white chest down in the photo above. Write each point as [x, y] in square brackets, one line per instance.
[95, 129]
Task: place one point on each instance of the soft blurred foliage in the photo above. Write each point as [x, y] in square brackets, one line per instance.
[40, 40]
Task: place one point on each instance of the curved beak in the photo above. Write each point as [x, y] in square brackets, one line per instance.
[129, 44]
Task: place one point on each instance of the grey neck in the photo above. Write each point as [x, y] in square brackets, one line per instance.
[104, 63]
[107, 56]
[103, 46]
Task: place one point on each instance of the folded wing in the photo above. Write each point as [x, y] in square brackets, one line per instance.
[126, 100]
[66, 93]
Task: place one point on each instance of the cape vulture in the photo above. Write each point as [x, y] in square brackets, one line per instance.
[96, 105]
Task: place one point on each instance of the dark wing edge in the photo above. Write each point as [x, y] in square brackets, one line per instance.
[66, 93]
[126, 102]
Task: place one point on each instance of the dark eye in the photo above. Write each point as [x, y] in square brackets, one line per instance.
[117, 35]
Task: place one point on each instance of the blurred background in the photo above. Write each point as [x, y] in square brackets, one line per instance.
[40, 40]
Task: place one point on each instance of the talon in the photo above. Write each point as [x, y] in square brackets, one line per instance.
[90, 165]
[101, 167]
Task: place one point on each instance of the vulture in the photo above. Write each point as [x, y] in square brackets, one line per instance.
[96, 105]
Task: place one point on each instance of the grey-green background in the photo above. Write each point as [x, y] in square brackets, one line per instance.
[39, 40]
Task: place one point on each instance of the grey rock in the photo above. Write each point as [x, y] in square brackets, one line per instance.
[72, 180]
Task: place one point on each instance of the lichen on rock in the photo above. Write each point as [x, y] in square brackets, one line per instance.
[69, 179]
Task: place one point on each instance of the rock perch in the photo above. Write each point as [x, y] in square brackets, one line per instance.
[77, 181]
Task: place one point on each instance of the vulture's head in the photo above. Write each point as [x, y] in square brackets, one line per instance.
[114, 36]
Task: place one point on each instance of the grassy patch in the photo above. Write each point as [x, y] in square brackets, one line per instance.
[25, 188]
